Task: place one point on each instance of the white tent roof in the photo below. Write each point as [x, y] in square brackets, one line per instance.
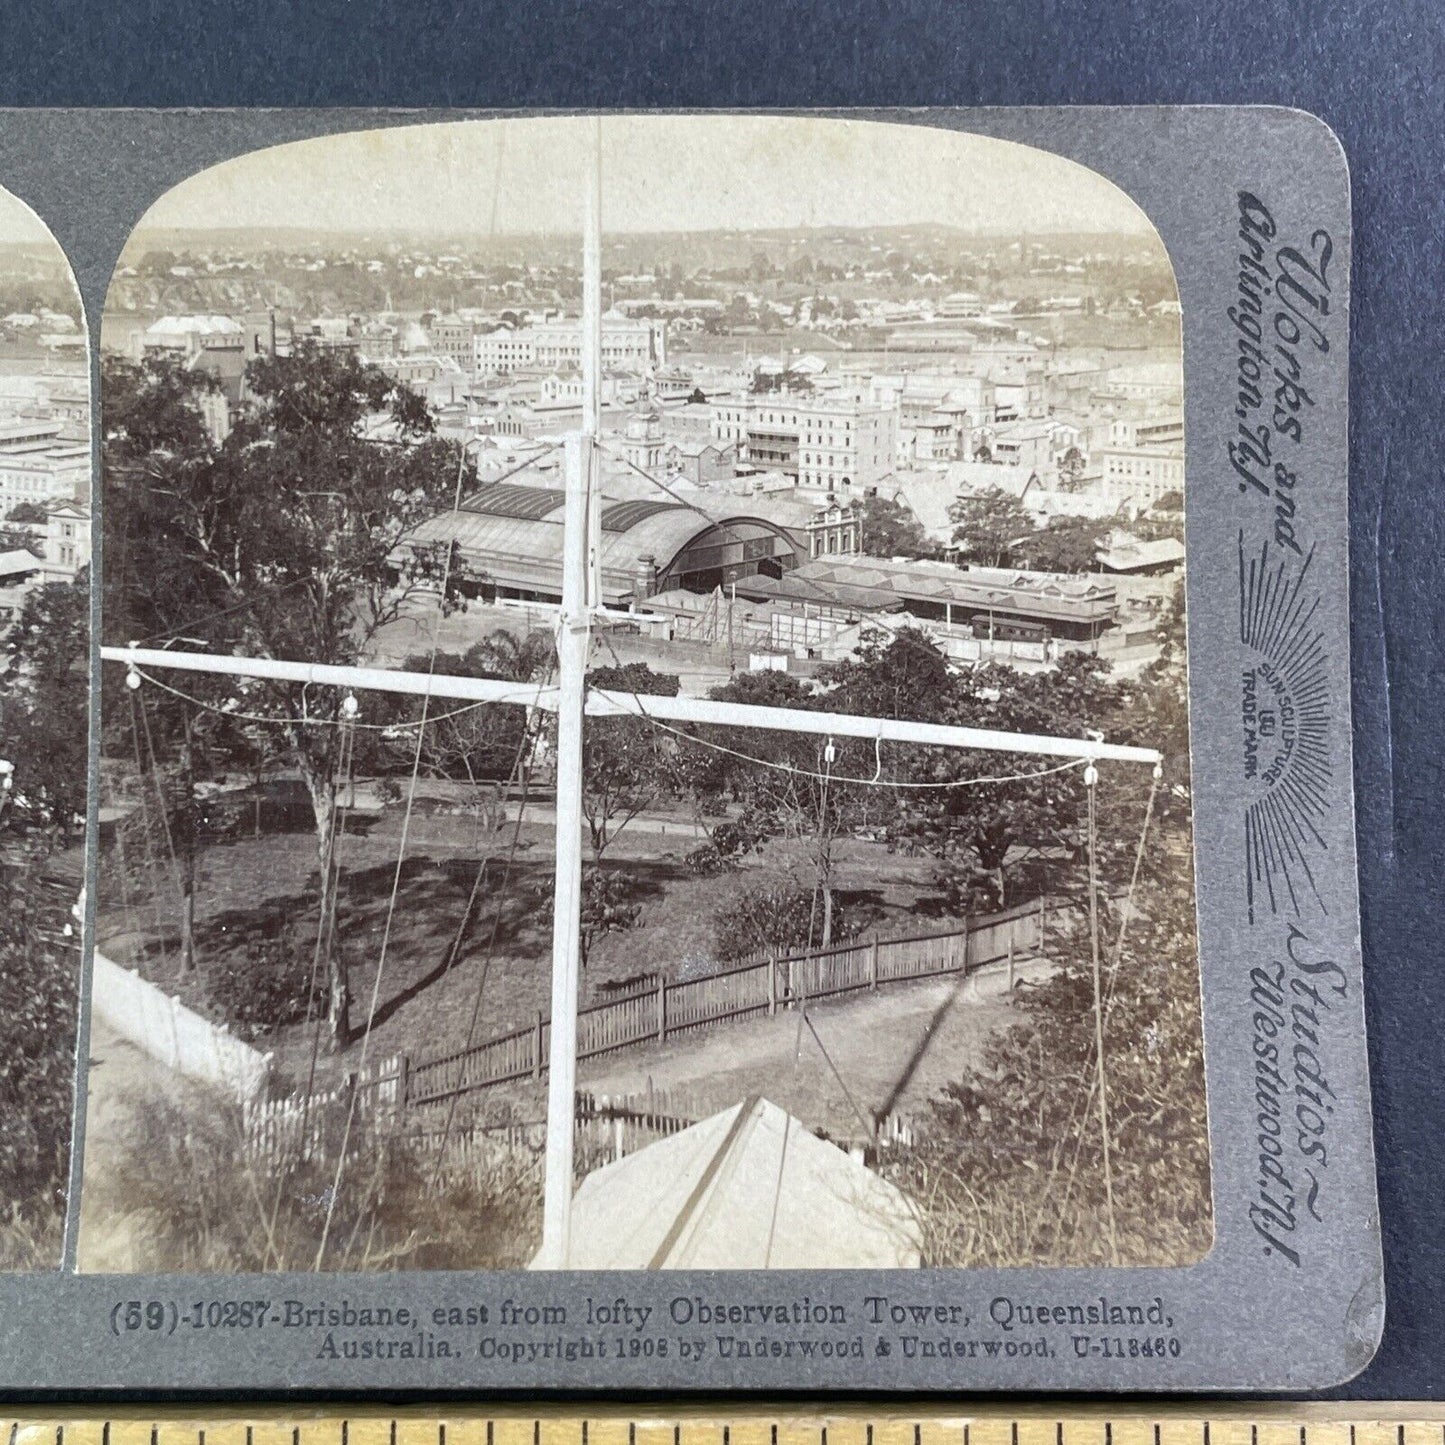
[749, 1188]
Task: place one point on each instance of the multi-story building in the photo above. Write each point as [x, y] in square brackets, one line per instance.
[38, 465]
[329, 333]
[68, 401]
[452, 336]
[1158, 383]
[379, 341]
[564, 389]
[1037, 445]
[635, 344]
[691, 421]
[415, 369]
[1163, 430]
[834, 530]
[701, 461]
[960, 306]
[1140, 476]
[67, 542]
[829, 443]
[503, 351]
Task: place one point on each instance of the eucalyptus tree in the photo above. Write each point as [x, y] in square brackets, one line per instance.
[295, 536]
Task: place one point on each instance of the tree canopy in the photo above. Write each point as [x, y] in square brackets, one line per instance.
[44, 693]
[993, 528]
[889, 529]
[44, 707]
[989, 526]
[627, 762]
[294, 537]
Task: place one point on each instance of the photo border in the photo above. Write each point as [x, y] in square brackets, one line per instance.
[1249, 1317]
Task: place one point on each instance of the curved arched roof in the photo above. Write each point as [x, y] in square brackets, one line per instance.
[514, 533]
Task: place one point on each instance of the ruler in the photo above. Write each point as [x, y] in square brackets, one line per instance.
[1342, 1423]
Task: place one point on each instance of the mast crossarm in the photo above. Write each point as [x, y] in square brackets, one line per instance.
[853, 725]
[609, 703]
[370, 679]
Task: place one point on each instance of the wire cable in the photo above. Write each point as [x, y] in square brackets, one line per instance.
[875, 781]
[525, 755]
[395, 889]
[309, 720]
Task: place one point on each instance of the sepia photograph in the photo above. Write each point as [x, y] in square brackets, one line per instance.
[643, 704]
[44, 697]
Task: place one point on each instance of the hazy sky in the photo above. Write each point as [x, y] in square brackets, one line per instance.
[659, 173]
[20, 225]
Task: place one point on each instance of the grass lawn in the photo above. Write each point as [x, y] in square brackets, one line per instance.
[253, 886]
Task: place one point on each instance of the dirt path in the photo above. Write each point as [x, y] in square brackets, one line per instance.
[889, 1051]
[122, 1079]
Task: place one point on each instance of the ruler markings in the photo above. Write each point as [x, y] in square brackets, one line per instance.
[1340, 1423]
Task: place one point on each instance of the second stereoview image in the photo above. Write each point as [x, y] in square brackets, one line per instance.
[644, 711]
[45, 548]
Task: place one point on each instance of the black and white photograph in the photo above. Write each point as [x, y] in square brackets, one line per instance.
[643, 708]
[44, 693]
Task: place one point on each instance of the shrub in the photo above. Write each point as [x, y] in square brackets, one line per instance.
[606, 907]
[706, 861]
[37, 1062]
[1007, 1164]
[271, 986]
[778, 917]
[193, 1195]
[31, 1240]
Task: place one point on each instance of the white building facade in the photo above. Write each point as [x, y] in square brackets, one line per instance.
[827, 443]
[550, 345]
[38, 465]
[1139, 475]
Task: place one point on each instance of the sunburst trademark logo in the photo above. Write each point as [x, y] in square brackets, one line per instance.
[1284, 731]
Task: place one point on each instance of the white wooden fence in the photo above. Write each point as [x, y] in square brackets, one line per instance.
[163, 1027]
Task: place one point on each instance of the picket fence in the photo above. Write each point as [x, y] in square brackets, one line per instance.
[304, 1126]
[755, 987]
[282, 1133]
[164, 1028]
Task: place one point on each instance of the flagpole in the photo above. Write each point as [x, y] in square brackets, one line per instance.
[579, 568]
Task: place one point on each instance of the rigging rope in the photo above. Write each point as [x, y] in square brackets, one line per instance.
[145, 779]
[411, 791]
[329, 880]
[307, 721]
[1084, 1100]
[395, 882]
[876, 781]
[526, 757]
[1091, 778]
[159, 786]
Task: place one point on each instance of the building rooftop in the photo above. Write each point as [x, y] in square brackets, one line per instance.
[181, 327]
[513, 534]
[1131, 555]
[17, 562]
[876, 584]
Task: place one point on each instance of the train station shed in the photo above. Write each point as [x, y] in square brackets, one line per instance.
[1000, 603]
[510, 536]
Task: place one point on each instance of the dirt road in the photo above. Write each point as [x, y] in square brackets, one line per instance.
[848, 1062]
